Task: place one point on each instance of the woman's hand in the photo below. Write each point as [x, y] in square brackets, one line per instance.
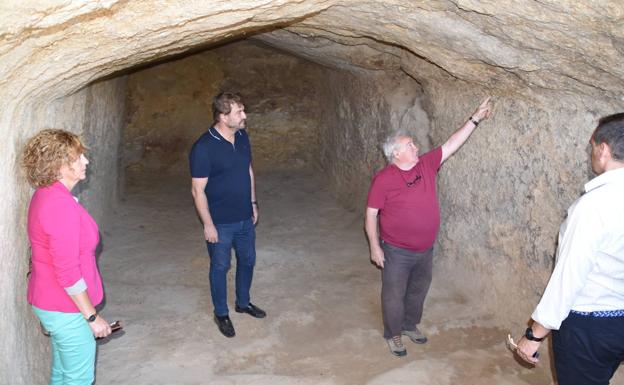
[100, 327]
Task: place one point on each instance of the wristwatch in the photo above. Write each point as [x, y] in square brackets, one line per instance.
[528, 334]
[92, 317]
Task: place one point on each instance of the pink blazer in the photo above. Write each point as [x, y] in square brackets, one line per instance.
[63, 237]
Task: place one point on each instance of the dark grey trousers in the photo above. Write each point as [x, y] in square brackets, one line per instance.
[405, 281]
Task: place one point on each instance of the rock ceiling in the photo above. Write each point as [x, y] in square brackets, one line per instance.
[50, 48]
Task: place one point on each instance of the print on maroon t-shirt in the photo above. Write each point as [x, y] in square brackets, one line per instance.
[409, 216]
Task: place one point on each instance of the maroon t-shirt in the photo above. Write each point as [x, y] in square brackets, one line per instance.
[409, 212]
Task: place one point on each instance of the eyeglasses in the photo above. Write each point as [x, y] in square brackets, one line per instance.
[413, 182]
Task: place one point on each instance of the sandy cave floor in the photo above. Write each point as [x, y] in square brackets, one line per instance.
[314, 279]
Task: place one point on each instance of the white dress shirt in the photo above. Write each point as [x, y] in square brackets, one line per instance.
[589, 271]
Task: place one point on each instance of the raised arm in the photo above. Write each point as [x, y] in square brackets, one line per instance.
[463, 133]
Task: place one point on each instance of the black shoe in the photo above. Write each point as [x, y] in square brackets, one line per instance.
[252, 310]
[225, 325]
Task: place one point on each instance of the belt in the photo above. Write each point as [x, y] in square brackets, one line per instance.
[600, 313]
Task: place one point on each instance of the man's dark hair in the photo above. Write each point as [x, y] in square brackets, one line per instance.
[610, 130]
[222, 104]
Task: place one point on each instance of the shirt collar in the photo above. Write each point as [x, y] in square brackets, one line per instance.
[604, 178]
[215, 134]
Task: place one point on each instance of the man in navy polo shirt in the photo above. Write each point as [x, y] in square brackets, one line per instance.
[224, 193]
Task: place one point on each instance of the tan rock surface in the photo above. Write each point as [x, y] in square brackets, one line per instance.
[553, 67]
[169, 107]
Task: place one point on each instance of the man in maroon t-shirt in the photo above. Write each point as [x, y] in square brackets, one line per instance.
[403, 195]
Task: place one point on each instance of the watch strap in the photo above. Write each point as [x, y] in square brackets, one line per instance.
[529, 336]
[92, 317]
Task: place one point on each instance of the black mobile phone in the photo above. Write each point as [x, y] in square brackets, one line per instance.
[115, 326]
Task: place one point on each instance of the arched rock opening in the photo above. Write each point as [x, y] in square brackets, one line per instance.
[552, 67]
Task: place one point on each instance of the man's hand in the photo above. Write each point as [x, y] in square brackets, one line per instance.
[483, 111]
[210, 233]
[377, 256]
[527, 349]
[255, 213]
[460, 136]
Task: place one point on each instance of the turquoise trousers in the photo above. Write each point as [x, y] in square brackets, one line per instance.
[73, 347]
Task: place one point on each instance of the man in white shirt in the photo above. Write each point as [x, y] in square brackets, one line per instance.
[583, 303]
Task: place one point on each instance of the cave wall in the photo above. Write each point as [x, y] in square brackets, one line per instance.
[366, 108]
[96, 114]
[506, 192]
[169, 107]
[102, 131]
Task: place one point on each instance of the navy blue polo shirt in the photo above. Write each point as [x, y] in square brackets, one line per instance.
[226, 166]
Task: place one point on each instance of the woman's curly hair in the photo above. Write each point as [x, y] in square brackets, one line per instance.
[45, 154]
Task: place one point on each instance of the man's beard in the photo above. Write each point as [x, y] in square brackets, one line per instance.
[240, 125]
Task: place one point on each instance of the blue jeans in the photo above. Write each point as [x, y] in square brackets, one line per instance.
[241, 236]
[73, 347]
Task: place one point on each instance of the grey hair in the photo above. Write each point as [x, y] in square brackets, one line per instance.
[390, 144]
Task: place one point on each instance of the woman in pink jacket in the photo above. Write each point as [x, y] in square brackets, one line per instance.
[64, 285]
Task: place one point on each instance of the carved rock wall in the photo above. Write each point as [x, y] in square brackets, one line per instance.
[169, 107]
[504, 195]
[366, 107]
